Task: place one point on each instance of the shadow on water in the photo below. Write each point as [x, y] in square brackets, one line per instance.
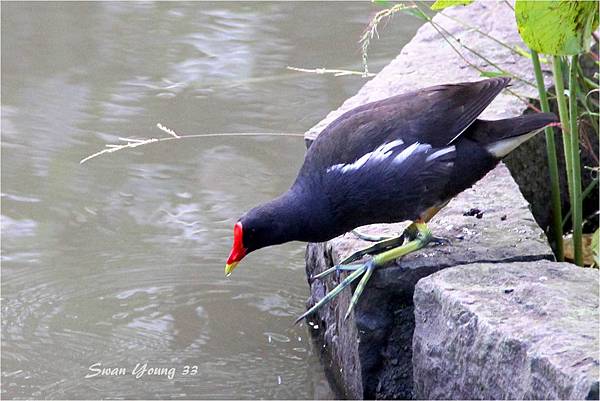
[120, 261]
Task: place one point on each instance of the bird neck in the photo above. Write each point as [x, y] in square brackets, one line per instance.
[294, 216]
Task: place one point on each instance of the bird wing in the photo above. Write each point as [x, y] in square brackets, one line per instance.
[435, 116]
[394, 182]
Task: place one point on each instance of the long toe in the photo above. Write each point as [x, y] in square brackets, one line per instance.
[333, 293]
[335, 268]
[360, 287]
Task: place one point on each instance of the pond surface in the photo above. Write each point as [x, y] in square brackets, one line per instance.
[119, 261]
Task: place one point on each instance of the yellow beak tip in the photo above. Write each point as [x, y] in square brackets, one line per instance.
[229, 268]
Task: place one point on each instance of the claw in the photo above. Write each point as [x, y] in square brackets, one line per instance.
[440, 241]
[345, 283]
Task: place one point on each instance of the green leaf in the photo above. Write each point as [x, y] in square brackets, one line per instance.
[561, 27]
[441, 4]
[493, 74]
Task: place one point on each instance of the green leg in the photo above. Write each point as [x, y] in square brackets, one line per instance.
[416, 241]
[409, 233]
[423, 237]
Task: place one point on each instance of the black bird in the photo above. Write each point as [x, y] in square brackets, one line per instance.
[397, 159]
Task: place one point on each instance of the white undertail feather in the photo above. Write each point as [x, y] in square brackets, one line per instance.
[504, 146]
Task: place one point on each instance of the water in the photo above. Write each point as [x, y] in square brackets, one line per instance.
[119, 261]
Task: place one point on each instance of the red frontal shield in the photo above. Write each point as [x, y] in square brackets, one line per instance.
[237, 251]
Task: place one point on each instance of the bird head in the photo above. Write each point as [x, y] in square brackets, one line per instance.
[256, 229]
[272, 223]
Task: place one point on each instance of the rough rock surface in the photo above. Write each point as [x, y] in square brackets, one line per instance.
[369, 356]
[507, 331]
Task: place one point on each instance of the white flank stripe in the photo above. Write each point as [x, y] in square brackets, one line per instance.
[415, 147]
[389, 146]
[379, 154]
[440, 153]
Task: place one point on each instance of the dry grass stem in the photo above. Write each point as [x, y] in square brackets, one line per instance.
[135, 142]
[167, 130]
[337, 73]
[371, 31]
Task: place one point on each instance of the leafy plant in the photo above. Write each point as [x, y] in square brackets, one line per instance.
[552, 161]
[559, 28]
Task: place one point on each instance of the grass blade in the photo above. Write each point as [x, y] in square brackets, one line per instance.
[552, 162]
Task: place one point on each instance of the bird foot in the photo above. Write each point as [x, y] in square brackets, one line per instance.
[383, 256]
[364, 270]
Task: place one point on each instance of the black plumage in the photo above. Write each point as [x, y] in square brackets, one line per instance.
[389, 161]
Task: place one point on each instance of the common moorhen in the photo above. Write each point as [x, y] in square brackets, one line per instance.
[397, 159]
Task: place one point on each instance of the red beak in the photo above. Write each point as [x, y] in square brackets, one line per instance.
[237, 251]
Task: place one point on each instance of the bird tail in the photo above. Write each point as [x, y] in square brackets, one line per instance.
[501, 137]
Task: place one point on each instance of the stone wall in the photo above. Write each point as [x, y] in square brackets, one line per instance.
[507, 331]
[370, 355]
